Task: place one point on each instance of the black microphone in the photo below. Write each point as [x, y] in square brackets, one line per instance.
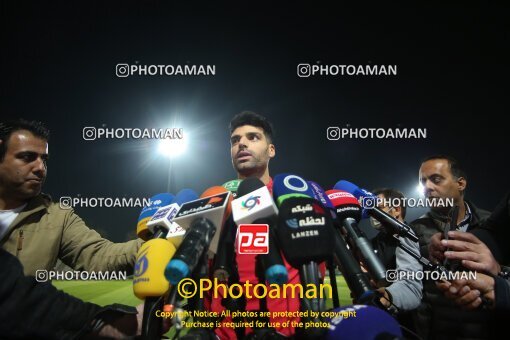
[224, 267]
[348, 213]
[306, 234]
[200, 218]
[356, 279]
[369, 206]
[193, 246]
[224, 261]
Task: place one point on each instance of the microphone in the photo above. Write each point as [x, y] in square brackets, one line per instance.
[356, 279]
[254, 201]
[200, 218]
[224, 259]
[255, 205]
[176, 233]
[362, 322]
[232, 186]
[370, 208]
[288, 185]
[320, 195]
[152, 257]
[304, 229]
[151, 260]
[348, 213]
[155, 202]
[161, 223]
[150, 284]
[186, 258]
[306, 234]
[213, 204]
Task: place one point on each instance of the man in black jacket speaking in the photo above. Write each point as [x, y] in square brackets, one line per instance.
[492, 282]
[437, 316]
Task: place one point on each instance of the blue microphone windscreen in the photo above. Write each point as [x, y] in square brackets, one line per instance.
[185, 195]
[320, 195]
[362, 322]
[176, 270]
[156, 202]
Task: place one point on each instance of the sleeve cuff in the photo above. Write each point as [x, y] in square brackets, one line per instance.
[105, 316]
[501, 293]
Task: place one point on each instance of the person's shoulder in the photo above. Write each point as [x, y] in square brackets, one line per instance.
[423, 219]
[480, 213]
[424, 225]
[57, 208]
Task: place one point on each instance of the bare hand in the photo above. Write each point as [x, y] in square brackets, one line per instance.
[436, 248]
[474, 253]
[129, 325]
[468, 293]
[385, 299]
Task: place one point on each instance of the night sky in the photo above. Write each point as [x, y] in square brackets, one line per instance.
[58, 66]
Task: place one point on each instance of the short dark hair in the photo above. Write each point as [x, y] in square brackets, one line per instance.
[253, 119]
[455, 167]
[37, 128]
[392, 194]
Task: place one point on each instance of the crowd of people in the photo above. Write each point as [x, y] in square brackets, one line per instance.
[35, 233]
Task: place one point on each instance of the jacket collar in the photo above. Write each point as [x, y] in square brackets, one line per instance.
[442, 219]
[34, 205]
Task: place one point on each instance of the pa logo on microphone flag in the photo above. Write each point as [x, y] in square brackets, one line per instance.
[253, 239]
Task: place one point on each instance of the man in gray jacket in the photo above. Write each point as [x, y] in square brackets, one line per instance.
[405, 294]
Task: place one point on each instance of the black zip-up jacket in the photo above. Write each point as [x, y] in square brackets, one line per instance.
[438, 317]
[35, 310]
[498, 224]
[502, 293]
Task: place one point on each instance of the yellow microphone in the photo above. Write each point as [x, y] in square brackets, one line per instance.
[149, 276]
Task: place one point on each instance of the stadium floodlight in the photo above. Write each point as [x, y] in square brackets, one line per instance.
[421, 190]
[173, 147]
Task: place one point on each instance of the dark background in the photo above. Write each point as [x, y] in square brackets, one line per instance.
[58, 65]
